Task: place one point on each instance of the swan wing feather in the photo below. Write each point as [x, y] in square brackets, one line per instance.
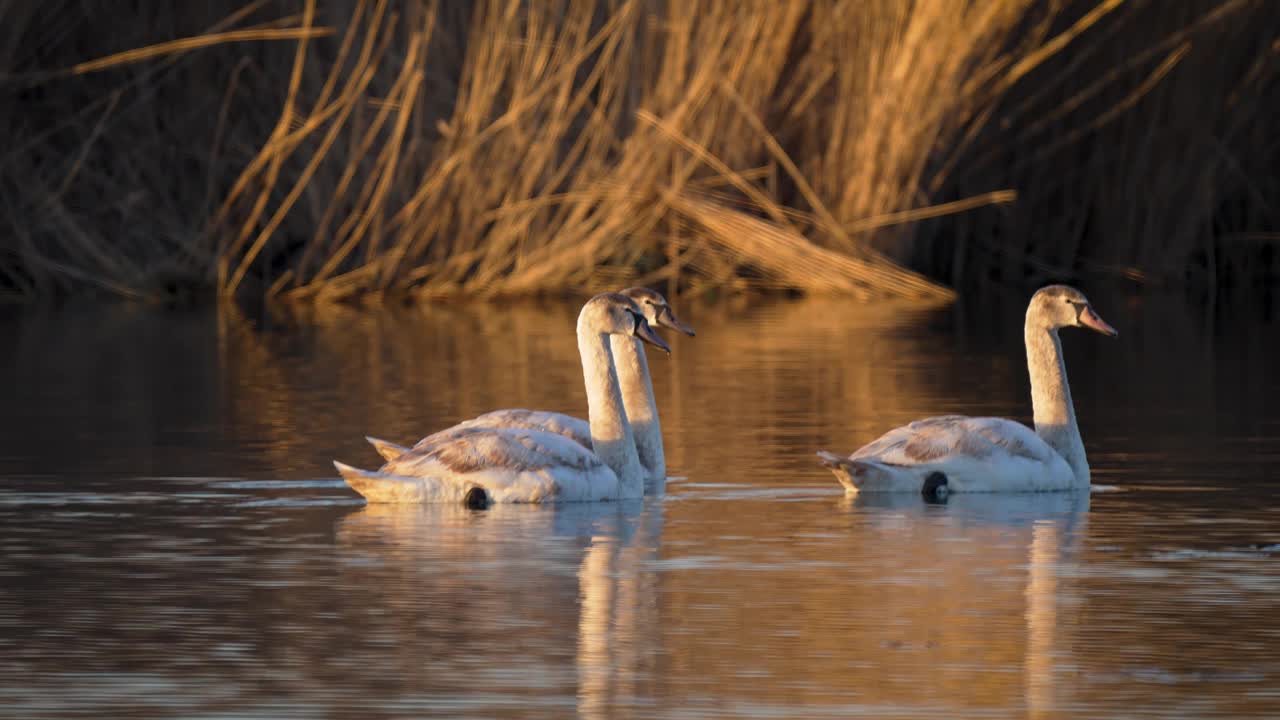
[949, 438]
[575, 429]
[464, 450]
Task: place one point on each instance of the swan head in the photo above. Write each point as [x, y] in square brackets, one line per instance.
[1059, 306]
[656, 310]
[617, 314]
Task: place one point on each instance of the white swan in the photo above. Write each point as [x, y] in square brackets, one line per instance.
[637, 397]
[955, 453]
[482, 465]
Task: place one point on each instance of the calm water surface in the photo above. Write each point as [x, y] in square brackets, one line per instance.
[173, 541]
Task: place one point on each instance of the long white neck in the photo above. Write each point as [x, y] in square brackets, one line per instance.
[611, 437]
[642, 410]
[1055, 416]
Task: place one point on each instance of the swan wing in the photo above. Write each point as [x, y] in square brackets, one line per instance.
[575, 429]
[974, 454]
[462, 450]
[948, 438]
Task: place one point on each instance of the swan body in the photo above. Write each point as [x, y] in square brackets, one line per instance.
[637, 396]
[974, 454]
[479, 465]
[954, 453]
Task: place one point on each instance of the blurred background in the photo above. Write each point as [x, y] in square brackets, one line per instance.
[339, 149]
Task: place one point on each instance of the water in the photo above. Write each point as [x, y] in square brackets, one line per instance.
[173, 542]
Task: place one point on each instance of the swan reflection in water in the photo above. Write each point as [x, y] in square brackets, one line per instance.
[482, 599]
[989, 537]
[480, 608]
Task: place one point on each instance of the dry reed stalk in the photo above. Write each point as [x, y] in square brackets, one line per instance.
[227, 287]
[90, 240]
[1147, 118]
[338, 242]
[174, 47]
[287, 203]
[325, 144]
[364, 199]
[287, 143]
[274, 153]
[801, 264]
[639, 166]
[530, 147]
[383, 185]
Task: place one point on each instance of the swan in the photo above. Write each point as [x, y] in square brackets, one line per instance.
[637, 398]
[483, 465]
[954, 453]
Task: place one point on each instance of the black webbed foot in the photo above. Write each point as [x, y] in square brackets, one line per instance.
[477, 498]
[935, 488]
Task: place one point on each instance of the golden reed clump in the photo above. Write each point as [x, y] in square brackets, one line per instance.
[363, 148]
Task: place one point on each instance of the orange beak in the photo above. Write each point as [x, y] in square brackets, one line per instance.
[646, 333]
[667, 318]
[1090, 319]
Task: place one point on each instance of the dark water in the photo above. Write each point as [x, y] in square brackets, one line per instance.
[174, 543]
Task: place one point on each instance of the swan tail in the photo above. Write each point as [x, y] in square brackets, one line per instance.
[854, 475]
[380, 487]
[388, 450]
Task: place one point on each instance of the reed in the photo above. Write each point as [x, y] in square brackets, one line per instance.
[326, 150]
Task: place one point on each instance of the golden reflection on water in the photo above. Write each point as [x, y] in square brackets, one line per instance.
[1042, 619]
[669, 612]
[404, 372]
[753, 587]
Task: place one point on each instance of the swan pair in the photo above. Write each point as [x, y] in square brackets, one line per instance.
[537, 456]
[521, 456]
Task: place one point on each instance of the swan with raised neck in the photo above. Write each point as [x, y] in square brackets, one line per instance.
[1054, 414]
[611, 436]
[637, 387]
[954, 453]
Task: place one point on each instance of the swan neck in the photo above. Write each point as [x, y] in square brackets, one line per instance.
[611, 436]
[641, 407]
[1054, 413]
